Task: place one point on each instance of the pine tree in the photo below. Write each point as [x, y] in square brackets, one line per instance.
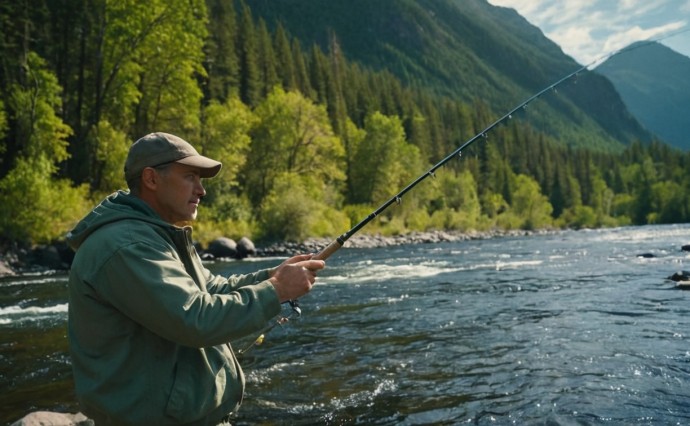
[267, 61]
[286, 62]
[247, 45]
[222, 66]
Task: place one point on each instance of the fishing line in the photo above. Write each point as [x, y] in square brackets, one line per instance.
[296, 313]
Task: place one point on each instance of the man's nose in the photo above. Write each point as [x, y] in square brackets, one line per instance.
[200, 188]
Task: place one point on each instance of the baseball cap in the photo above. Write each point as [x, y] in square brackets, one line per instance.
[160, 148]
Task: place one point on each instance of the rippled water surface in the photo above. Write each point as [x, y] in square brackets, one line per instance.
[569, 328]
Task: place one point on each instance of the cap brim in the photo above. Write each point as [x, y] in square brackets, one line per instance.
[209, 168]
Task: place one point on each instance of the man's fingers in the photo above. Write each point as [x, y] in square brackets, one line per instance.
[298, 258]
[312, 265]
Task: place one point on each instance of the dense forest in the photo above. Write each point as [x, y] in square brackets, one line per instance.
[311, 141]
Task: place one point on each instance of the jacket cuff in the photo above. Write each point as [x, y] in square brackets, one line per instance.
[262, 275]
[268, 297]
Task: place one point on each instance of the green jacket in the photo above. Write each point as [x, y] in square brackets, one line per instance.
[149, 325]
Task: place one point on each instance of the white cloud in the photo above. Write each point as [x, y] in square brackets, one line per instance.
[590, 29]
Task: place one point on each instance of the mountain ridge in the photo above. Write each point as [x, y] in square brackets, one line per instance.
[652, 80]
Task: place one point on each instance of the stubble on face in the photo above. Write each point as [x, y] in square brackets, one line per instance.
[180, 193]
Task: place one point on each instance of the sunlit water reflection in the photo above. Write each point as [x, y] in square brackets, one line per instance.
[569, 328]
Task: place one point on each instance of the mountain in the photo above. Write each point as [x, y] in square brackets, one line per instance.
[654, 82]
[468, 50]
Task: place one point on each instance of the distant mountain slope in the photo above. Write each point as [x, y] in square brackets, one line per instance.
[654, 82]
[468, 50]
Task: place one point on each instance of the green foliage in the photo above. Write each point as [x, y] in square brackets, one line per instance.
[668, 203]
[357, 213]
[170, 57]
[419, 220]
[222, 62]
[384, 161]
[352, 139]
[293, 135]
[312, 141]
[247, 48]
[459, 202]
[39, 130]
[493, 205]
[530, 204]
[112, 146]
[230, 216]
[579, 217]
[225, 137]
[294, 210]
[48, 206]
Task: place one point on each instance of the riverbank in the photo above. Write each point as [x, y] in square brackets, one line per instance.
[58, 257]
[314, 245]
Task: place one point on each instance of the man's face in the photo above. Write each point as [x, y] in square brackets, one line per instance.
[178, 193]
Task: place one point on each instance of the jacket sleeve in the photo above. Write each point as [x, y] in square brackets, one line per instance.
[217, 284]
[149, 284]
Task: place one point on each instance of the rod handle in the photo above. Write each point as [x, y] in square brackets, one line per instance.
[328, 251]
[322, 255]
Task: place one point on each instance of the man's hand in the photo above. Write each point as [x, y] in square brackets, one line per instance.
[295, 277]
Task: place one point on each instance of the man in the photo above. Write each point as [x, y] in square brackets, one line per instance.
[148, 325]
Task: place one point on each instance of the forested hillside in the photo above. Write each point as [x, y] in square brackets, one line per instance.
[312, 137]
[466, 50]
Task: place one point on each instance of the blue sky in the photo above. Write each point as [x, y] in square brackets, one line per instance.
[589, 30]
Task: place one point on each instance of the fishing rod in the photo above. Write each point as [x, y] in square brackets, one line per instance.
[336, 244]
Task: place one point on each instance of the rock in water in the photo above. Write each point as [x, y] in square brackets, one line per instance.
[245, 247]
[222, 247]
[680, 276]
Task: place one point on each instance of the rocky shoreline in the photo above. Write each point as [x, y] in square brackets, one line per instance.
[314, 245]
[58, 257]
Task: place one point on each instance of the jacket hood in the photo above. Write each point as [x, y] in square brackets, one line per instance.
[118, 206]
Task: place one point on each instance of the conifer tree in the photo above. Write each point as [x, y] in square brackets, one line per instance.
[222, 66]
[318, 74]
[247, 46]
[285, 59]
[337, 109]
[267, 61]
[301, 73]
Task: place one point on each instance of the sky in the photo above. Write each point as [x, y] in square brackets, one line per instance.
[591, 30]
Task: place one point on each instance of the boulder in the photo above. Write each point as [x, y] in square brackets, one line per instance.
[57, 256]
[680, 276]
[47, 418]
[222, 247]
[245, 248]
[686, 247]
[46, 257]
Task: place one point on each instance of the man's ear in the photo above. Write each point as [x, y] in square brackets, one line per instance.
[149, 178]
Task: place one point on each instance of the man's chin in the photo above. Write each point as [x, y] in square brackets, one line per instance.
[188, 220]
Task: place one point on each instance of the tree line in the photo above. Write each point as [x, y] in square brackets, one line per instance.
[310, 142]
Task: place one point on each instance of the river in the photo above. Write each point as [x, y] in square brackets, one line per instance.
[575, 327]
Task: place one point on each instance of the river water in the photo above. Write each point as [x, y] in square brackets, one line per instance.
[578, 327]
